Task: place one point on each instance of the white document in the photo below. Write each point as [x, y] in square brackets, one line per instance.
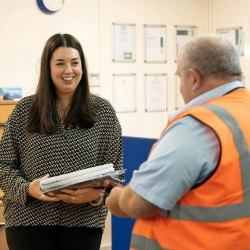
[232, 35]
[183, 35]
[124, 43]
[155, 43]
[124, 93]
[156, 92]
[94, 176]
[84, 172]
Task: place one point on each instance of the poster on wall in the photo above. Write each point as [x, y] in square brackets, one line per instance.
[124, 92]
[183, 35]
[156, 92]
[155, 44]
[232, 35]
[179, 102]
[124, 42]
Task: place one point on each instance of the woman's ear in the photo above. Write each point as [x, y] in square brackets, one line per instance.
[196, 78]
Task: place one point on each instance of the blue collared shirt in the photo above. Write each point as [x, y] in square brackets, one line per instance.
[185, 155]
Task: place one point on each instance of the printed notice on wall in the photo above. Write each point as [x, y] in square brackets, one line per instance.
[232, 35]
[124, 42]
[155, 43]
[183, 35]
[124, 92]
[156, 92]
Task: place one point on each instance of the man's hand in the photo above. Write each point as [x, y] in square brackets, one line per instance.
[112, 202]
[125, 202]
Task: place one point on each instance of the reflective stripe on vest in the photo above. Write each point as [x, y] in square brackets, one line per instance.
[226, 212]
[139, 242]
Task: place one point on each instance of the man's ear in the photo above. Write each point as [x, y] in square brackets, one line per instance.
[196, 78]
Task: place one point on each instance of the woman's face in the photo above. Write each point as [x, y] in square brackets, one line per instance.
[66, 70]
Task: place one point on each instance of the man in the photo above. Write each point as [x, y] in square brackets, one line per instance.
[193, 192]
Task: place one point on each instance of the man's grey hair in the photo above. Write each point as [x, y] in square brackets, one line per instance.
[212, 57]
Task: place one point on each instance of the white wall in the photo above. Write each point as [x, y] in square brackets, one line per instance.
[140, 12]
[24, 30]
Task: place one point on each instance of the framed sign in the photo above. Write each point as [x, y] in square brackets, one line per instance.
[124, 92]
[232, 35]
[124, 42]
[155, 44]
[156, 92]
[183, 35]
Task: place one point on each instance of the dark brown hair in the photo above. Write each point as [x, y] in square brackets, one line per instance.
[43, 113]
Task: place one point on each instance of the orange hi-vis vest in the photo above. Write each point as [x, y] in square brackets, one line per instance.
[216, 214]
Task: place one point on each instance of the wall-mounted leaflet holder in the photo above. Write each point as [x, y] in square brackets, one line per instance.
[179, 102]
[156, 92]
[94, 84]
[155, 43]
[183, 35]
[124, 93]
[233, 36]
[94, 80]
[123, 42]
[95, 90]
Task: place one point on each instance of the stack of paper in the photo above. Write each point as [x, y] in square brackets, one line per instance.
[90, 177]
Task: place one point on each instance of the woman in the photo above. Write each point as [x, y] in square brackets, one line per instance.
[61, 129]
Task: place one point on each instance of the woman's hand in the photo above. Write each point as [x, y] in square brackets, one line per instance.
[79, 196]
[36, 192]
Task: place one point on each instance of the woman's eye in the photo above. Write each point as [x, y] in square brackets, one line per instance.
[59, 64]
[75, 63]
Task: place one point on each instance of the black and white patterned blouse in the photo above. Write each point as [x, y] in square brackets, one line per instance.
[28, 156]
